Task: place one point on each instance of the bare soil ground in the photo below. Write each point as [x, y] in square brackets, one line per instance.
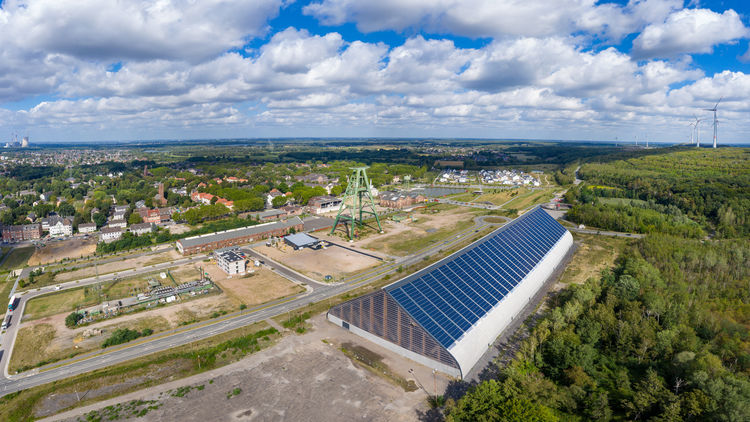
[56, 251]
[259, 287]
[334, 261]
[302, 378]
[178, 228]
[113, 267]
[402, 238]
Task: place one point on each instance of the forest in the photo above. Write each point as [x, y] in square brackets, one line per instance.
[663, 336]
[711, 187]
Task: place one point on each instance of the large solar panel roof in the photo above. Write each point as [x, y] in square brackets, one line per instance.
[448, 298]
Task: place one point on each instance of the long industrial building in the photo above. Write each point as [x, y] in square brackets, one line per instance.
[234, 237]
[445, 316]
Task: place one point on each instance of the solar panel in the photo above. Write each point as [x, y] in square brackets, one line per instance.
[449, 298]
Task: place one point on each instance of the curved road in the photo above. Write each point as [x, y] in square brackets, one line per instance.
[170, 339]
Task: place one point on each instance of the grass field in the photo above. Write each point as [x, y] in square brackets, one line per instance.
[530, 198]
[463, 197]
[31, 346]
[17, 258]
[621, 201]
[56, 303]
[498, 198]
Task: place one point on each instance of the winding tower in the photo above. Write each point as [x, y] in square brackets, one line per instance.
[357, 202]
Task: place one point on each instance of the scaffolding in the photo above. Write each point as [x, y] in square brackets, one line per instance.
[357, 198]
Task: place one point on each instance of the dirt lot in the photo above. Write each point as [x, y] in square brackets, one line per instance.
[56, 251]
[125, 264]
[260, 287]
[334, 261]
[302, 378]
[406, 237]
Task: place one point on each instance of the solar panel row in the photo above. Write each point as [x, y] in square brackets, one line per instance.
[451, 297]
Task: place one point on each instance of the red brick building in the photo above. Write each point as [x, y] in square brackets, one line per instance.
[22, 232]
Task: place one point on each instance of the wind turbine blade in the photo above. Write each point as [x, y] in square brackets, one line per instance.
[717, 103]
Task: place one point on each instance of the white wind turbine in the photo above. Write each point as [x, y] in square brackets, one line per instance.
[716, 122]
[697, 125]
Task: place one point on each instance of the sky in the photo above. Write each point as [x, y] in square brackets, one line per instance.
[90, 70]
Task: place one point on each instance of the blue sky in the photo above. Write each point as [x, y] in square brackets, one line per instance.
[552, 69]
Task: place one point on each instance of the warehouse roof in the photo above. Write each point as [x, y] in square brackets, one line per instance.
[447, 299]
[241, 232]
[300, 240]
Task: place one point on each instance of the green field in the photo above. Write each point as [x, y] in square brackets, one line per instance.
[17, 258]
[65, 301]
[531, 198]
[621, 201]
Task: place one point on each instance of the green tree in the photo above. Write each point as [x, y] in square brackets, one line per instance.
[135, 218]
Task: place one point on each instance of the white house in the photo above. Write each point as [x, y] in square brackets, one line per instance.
[86, 228]
[142, 228]
[118, 223]
[110, 234]
[62, 227]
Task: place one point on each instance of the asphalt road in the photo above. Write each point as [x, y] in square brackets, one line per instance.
[166, 340]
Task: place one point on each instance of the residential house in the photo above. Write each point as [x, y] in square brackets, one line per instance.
[141, 228]
[110, 234]
[155, 215]
[46, 196]
[117, 223]
[271, 195]
[87, 228]
[18, 233]
[61, 227]
[203, 198]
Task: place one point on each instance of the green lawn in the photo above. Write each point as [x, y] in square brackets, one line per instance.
[65, 301]
[530, 199]
[17, 258]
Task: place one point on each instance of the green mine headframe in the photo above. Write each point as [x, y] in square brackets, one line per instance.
[357, 201]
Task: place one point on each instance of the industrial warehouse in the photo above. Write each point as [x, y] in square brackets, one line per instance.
[234, 237]
[447, 314]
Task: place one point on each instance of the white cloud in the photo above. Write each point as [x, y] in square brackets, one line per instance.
[689, 31]
[494, 18]
[529, 80]
[134, 29]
